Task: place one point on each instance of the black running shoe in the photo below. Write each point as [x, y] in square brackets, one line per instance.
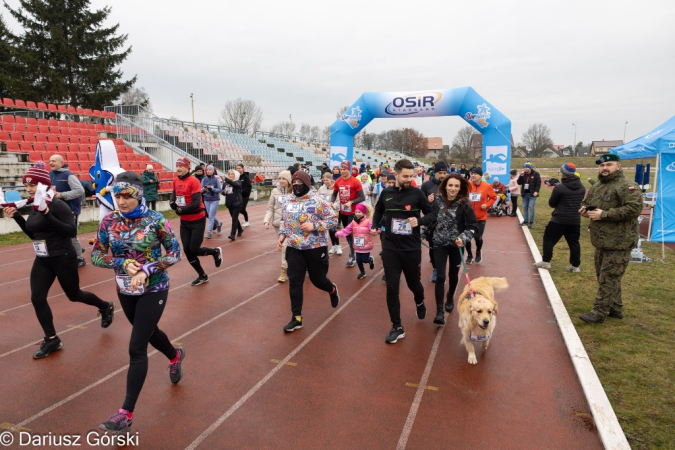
[371, 261]
[469, 259]
[231, 237]
[218, 257]
[240, 233]
[439, 319]
[47, 346]
[107, 315]
[421, 311]
[334, 297]
[394, 335]
[200, 280]
[449, 306]
[523, 223]
[361, 276]
[479, 257]
[118, 423]
[176, 368]
[294, 324]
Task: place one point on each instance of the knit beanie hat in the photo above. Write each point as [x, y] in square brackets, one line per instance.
[477, 170]
[495, 180]
[528, 165]
[286, 175]
[37, 174]
[391, 177]
[346, 165]
[304, 177]
[184, 162]
[440, 166]
[128, 184]
[211, 168]
[361, 207]
[568, 169]
[149, 167]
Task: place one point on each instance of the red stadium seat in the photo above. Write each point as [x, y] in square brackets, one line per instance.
[34, 156]
[97, 113]
[72, 124]
[62, 148]
[42, 106]
[8, 102]
[52, 108]
[16, 136]
[87, 112]
[53, 138]
[51, 149]
[29, 137]
[26, 146]
[20, 120]
[6, 127]
[41, 138]
[4, 136]
[82, 125]
[119, 142]
[43, 122]
[12, 146]
[63, 139]
[32, 129]
[99, 127]
[91, 126]
[19, 103]
[8, 119]
[107, 128]
[53, 123]
[63, 124]
[31, 105]
[31, 121]
[80, 111]
[62, 109]
[113, 115]
[65, 131]
[71, 110]
[105, 114]
[75, 132]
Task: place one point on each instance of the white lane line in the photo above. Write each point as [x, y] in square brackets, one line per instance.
[407, 428]
[14, 281]
[14, 262]
[118, 310]
[122, 369]
[276, 369]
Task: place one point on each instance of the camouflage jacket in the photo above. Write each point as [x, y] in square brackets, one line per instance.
[621, 203]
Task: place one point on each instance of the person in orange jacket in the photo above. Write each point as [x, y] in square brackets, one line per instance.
[482, 196]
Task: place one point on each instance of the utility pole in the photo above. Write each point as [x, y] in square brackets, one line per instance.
[192, 100]
[574, 144]
[624, 132]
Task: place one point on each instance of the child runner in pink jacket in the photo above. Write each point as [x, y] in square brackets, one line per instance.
[363, 242]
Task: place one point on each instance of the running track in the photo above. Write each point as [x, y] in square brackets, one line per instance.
[333, 384]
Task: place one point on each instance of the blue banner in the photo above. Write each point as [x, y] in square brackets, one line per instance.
[663, 226]
[463, 102]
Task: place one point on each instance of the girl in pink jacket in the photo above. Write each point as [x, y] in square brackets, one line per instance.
[363, 242]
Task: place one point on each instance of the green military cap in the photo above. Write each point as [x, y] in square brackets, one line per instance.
[607, 157]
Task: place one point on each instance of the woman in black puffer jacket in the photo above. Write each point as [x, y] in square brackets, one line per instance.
[246, 187]
[233, 201]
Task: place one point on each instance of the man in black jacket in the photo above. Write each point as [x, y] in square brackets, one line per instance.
[531, 182]
[400, 208]
[565, 221]
[430, 188]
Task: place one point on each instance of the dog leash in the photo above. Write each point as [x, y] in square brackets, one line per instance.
[470, 293]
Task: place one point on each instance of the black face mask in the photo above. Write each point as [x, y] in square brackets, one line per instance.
[300, 189]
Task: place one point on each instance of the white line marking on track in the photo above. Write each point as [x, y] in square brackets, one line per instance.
[407, 428]
[118, 310]
[122, 369]
[14, 281]
[272, 372]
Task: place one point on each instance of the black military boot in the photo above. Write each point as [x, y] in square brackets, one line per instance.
[591, 317]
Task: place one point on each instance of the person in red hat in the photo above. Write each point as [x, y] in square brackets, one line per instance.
[350, 192]
[186, 200]
[51, 226]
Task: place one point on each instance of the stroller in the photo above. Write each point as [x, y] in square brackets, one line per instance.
[500, 208]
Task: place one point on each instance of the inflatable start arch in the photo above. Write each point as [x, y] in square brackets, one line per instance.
[463, 102]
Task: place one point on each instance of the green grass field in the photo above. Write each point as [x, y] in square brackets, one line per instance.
[634, 356]
[580, 161]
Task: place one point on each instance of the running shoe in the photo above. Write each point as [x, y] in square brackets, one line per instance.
[361, 276]
[469, 259]
[218, 257]
[339, 250]
[47, 346]
[371, 261]
[332, 250]
[394, 335]
[208, 236]
[573, 269]
[530, 225]
[542, 265]
[107, 315]
[479, 257]
[434, 276]
[334, 297]
[231, 237]
[200, 280]
[421, 310]
[240, 233]
[439, 319]
[245, 224]
[176, 368]
[118, 422]
[449, 306]
[294, 324]
[350, 262]
[219, 228]
[81, 263]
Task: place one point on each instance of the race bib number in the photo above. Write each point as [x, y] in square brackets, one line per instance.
[124, 283]
[180, 200]
[40, 248]
[474, 196]
[294, 208]
[345, 208]
[359, 241]
[526, 186]
[228, 189]
[401, 226]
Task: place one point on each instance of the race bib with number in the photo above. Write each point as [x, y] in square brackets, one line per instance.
[401, 226]
[345, 208]
[474, 196]
[124, 283]
[526, 186]
[40, 248]
[359, 241]
[180, 200]
[228, 189]
[294, 208]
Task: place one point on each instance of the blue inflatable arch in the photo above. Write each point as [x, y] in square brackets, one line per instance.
[464, 102]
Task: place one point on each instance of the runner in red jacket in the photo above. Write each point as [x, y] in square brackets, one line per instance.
[482, 196]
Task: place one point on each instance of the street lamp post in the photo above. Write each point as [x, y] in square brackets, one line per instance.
[192, 100]
[574, 144]
[624, 131]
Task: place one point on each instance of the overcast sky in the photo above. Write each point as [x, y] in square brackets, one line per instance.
[597, 63]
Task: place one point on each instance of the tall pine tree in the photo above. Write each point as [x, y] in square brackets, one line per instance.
[66, 55]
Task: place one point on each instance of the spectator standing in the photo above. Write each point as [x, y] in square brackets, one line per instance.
[69, 189]
[150, 183]
[336, 173]
[324, 169]
[514, 190]
[565, 220]
[613, 204]
[246, 186]
[530, 181]
[273, 215]
[211, 189]
[233, 201]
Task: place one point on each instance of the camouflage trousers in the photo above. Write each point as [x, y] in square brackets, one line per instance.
[610, 265]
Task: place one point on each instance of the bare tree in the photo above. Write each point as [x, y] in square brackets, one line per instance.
[242, 115]
[135, 96]
[325, 134]
[537, 138]
[289, 128]
[462, 142]
[314, 134]
[341, 111]
[305, 130]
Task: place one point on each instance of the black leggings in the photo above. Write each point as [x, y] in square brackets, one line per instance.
[314, 261]
[243, 209]
[394, 263]
[236, 225]
[345, 220]
[514, 203]
[478, 236]
[441, 255]
[361, 259]
[334, 240]
[42, 276]
[143, 312]
[152, 205]
[192, 236]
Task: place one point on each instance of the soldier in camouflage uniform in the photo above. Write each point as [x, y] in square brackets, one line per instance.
[614, 233]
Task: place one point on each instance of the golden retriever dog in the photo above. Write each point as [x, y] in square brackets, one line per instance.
[478, 314]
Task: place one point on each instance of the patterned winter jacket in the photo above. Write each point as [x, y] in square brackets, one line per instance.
[308, 208]
[139, 240]
[363, 241]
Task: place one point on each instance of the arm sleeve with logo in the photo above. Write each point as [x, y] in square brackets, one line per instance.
[167, 238]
